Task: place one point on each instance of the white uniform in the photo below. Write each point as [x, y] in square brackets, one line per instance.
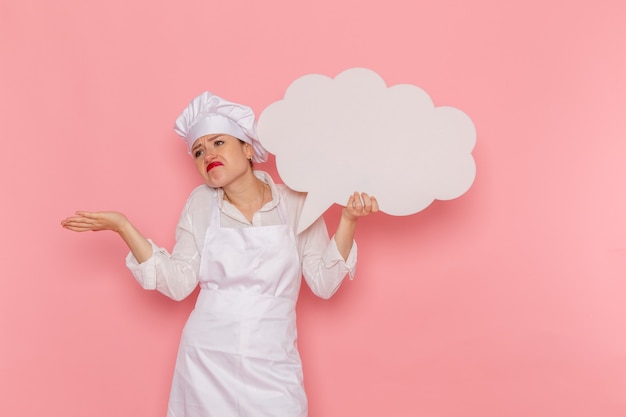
[238, 355]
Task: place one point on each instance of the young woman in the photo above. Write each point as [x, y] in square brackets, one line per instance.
[235, 238]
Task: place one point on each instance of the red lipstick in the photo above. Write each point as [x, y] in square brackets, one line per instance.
[213, 165]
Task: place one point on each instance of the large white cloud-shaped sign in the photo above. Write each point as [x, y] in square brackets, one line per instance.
[332, 137]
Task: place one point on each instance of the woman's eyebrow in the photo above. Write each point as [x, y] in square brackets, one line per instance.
[210, 140]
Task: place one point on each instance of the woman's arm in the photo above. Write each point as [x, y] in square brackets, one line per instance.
[326, 262]
[359, 205]
[84, 221]
[173, 274]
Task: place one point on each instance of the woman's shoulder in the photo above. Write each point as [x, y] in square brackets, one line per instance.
[202, 190]
[290, 195]
[202, 194]
[285, 193]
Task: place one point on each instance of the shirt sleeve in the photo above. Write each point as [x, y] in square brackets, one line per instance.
[176, 274]
[323, 267]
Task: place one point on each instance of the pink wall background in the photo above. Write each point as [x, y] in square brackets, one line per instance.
[509, 301]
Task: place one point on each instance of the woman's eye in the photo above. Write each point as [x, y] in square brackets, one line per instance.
[219, 142]
[198, 153]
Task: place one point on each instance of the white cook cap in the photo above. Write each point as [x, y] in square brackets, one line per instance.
[208, 114]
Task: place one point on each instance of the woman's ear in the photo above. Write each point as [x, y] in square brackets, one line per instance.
[247, 148]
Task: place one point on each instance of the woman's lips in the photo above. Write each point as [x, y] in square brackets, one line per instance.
[213, 165]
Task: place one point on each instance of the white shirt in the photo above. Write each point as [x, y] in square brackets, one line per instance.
[176, 274]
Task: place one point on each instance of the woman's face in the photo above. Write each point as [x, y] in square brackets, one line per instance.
[221, 159]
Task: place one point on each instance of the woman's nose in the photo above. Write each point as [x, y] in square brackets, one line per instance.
[209, 155]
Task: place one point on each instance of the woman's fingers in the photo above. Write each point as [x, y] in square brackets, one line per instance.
[80, 222]
[371, 203]
[85, 220]
[361, 204]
